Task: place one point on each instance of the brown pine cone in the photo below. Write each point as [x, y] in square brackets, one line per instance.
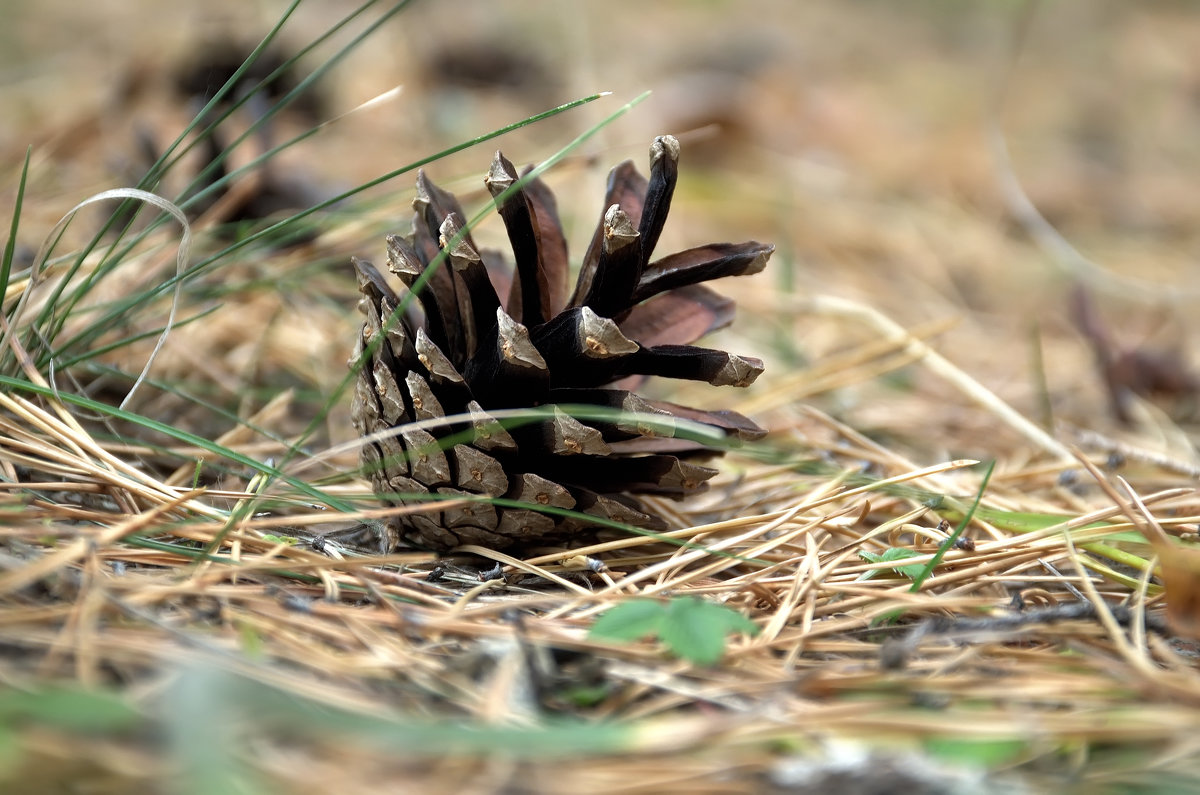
[458, 352]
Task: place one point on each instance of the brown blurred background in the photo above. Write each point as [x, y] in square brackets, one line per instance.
[853, 135]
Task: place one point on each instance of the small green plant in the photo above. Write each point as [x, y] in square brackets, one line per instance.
[691, 628]
[911, 571]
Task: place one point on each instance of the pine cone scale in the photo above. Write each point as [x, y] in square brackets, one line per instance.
[702, 264]
[664, 171]
[626, 189]
[619, 267]
[554, 265]
[537, 252]
[478, 472]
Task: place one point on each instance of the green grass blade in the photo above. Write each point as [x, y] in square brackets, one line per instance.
[289, 97]
[420, 282]
[274, 228]
[10, 247]
[958, 531]
[300, 486]
[63, 302]
[119, 314]
[165, 160]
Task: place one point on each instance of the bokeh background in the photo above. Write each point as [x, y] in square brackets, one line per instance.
[853, 135]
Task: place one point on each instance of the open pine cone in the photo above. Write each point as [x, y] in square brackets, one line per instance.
[464, 352]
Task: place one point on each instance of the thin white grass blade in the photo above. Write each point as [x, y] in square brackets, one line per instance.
[181, 258]
[373, 102]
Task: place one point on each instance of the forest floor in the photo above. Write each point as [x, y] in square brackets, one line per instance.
[985, 228]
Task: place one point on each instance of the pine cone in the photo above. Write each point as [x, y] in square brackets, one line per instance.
[458, 350]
